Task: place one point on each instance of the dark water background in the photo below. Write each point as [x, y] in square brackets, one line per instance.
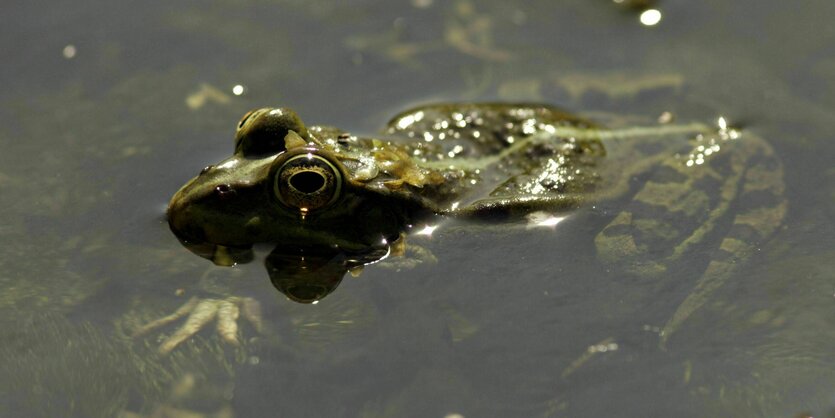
[101, 120]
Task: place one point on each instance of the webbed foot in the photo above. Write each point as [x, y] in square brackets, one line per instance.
[200, 312]
[404, 256]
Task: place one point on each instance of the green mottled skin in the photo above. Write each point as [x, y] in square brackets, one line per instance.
[496, 161]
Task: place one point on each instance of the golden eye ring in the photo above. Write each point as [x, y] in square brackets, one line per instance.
[307, 182]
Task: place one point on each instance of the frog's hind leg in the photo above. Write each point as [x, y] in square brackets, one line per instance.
[760, 210]
[688, 200]
[676, 208]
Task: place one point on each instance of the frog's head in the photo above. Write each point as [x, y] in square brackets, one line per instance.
[281, 185]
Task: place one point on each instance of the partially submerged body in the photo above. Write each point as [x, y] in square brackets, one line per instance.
[320, 193]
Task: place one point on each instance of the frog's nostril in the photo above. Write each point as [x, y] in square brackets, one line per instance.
[224, 191]
[307, 181]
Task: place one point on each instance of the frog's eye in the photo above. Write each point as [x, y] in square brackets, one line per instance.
[308, 182]
[261, 132]
[246, 118]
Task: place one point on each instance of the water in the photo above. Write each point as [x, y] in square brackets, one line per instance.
[108, 108]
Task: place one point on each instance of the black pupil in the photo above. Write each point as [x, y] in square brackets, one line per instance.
[307, 181]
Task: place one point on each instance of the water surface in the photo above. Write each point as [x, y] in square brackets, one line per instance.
[108, 108]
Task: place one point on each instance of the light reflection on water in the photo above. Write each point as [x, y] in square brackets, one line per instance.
[650, 17]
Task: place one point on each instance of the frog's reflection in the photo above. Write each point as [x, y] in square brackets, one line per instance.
[308, 275]
[303, 274]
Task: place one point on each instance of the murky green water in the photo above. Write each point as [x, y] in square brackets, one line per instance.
[106, 109]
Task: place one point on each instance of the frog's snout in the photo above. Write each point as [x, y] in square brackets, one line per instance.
[181, 220]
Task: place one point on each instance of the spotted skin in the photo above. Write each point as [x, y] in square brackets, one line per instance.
[530, 168]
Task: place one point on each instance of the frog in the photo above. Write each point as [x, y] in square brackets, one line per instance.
[332, 201]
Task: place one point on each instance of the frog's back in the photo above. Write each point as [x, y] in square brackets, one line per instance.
[481, 128]
[502, 154]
